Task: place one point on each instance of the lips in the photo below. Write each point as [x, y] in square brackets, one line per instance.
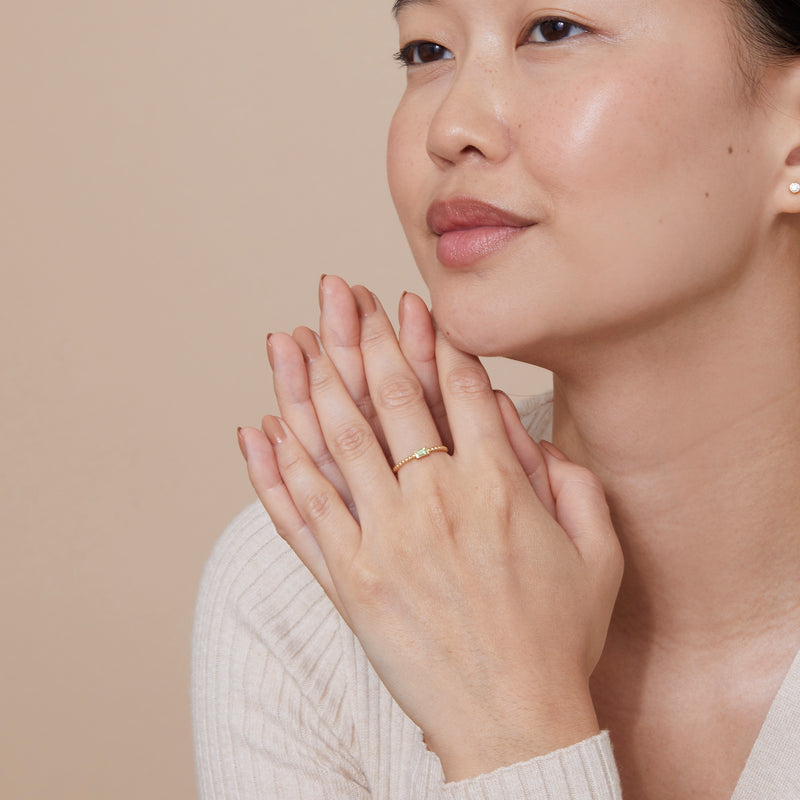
[470, 229]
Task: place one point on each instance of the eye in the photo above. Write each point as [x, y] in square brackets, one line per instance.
[422, 53]
[553, 29]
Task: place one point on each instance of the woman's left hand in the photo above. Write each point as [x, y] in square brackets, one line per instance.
[482, 607]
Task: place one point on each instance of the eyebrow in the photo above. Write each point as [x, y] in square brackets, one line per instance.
[399, 5]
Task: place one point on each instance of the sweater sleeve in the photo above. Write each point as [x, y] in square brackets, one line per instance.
[286, 705]
[268, 692]
[584, 771]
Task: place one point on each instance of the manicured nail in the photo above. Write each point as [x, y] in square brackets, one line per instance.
[308, 342]
[400, 309]
[501, 395]
[269, 349]
[364, 300]
[320, 291]
[242, 445]
[553, 450]
[273, 428]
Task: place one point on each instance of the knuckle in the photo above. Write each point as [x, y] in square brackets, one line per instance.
[582, 475]
[292, 464]
[467, 382]
[373, 336]
[320, 380]
[614, 557]
[398, 392]
[587, 476]
[318, 506]
[350, 441]
[368, 586]
[609, 563]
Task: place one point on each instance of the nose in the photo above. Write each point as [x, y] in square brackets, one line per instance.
[471, 121]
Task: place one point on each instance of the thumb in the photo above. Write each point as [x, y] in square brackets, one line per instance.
[582, 509]
[528, 454]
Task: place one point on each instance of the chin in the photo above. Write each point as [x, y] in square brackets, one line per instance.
[474, 333]
[519, 336]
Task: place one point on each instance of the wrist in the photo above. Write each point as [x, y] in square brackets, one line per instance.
[515, 735]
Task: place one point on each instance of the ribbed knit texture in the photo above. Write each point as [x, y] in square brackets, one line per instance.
[286, 705]
[773, 768]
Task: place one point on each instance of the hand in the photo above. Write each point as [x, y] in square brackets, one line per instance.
[340, 333]
[483, 615]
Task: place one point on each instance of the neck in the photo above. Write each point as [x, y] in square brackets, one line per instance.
[698, 445]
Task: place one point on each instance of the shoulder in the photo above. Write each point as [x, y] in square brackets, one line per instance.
[269, 682]
[255, 588]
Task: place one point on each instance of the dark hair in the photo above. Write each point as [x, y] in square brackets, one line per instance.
[769, 33]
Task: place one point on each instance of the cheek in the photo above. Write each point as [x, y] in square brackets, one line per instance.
[604, 139]
[634, 176]
[406, 158]
[639, 163]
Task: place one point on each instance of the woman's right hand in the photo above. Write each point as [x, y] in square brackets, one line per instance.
[340, 335]
[522, 584]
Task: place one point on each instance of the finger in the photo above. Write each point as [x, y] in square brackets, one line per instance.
[290, 381]
[262, 468]
[581, 508]
[472, 410]
[349, 437]
[417, 338]
[396, 392]
[527, 451]
[336, 533]
[340, 332]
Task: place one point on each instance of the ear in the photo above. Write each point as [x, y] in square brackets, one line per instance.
[793, 186]
[784, 97]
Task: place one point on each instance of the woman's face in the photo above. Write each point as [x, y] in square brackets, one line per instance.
[584, 169]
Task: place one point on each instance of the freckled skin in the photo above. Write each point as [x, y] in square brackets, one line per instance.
[608, 140]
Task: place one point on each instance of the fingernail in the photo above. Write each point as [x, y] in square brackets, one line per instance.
[308, 342]
[500, 393]
[273, 428]
[269, 351]
[400, 309]
[553, 450]
[321, 292]
[364, 300]
[242, 445]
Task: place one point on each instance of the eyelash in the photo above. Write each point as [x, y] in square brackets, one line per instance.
[406, 55]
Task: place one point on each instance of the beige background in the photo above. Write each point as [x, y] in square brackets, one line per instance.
[175, 176]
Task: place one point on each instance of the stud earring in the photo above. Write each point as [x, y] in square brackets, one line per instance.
[794, 188]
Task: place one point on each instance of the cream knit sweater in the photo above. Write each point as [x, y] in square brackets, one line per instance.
[286, 704]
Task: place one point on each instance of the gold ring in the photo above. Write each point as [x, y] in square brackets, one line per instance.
[421, 453]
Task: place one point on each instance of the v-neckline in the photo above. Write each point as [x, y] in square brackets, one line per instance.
[773, 766]
[772, 769]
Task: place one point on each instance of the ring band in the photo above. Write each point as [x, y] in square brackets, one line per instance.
[421, 453]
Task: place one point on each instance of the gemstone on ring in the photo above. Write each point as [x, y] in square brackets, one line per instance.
[421, 453]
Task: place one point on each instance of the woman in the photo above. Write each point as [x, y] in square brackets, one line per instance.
[610, 190]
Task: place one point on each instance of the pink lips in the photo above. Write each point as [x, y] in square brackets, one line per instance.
[470, 229]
